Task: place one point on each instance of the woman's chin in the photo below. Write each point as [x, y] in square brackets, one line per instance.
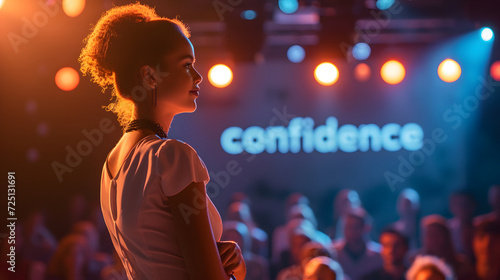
[191, 109]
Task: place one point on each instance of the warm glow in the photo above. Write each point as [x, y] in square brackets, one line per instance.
[495, 71]
[1, 3]
[220, 76]
[362, 72]
[449, 70]
[393, 72]
[67, 79]
[326, 74]
[73, 8]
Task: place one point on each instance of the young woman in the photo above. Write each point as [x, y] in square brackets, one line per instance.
[153, 196]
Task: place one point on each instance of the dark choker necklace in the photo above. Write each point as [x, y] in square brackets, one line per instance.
[146, 124]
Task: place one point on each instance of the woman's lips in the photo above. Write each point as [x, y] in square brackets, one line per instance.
[195, 92]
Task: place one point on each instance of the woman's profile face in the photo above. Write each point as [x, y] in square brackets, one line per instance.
[175, 83]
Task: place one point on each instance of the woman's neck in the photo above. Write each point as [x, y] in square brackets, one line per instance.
[164, 120]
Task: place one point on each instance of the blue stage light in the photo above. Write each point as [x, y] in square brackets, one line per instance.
[296, 54]
[248, 14]
[487, 34]
[288, 6]
[385, 4]
[361, 51]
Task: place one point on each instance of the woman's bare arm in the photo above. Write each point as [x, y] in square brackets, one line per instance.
[194, 233]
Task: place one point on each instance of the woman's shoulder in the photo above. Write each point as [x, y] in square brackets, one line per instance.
[179, 153]
[179, 165]
[171, 146]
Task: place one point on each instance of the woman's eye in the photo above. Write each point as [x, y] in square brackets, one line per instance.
[188, 64]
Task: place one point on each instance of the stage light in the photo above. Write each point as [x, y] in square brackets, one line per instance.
[487, 34]
[385, 4]
[1, 3]
[220, 76]
[73, 8]
[42, 129]
[361, 51]
[32, 155]
[296, 53]
[288, 6]
[248, 14]
[326, 74]
[495, 71]
[449, 70]
[393, 72]
[31, 107]
[67, 79]
[362, 72]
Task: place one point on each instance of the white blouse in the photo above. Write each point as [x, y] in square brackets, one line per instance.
[135, 206]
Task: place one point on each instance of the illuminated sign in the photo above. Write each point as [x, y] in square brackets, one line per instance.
[301, 135]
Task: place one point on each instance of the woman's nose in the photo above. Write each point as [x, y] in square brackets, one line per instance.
[198, 78]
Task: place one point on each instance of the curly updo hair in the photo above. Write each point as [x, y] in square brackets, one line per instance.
[124, 39]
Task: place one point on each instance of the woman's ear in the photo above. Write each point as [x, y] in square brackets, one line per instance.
[147, 76]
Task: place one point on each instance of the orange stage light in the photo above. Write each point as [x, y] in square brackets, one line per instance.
[393, 72]
[326, 74]
[67, 79]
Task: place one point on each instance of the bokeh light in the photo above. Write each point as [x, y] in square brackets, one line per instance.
[220, 76]
[42, 129]
[362, 72]
[67, 79]
[393, 72]
[31, 107]
[296, 53]
[1, 3]
[248, 14]
[384, 4]
[361, 51]
[288, 6]
[487, 34]
[32, 155]
[449, 70]
[73, 8]
[326, 74]
[495, 70]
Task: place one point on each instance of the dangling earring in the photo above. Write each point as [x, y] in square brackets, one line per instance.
[155, 96]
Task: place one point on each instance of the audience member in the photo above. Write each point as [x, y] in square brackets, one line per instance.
[487, 249]
[429, 268]
[323, 268]
[76, 256]
[408, 208]
[257, 267]
[345, 201]
[308, 251]
[13, 263]
[462, 206]
[494, 201]
[437, 242]
[280, 241]
[240, 212]
[355, 257]
[394, 249]
[40, 243]
[304, 212]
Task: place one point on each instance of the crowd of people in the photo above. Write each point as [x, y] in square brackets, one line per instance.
[464, 247]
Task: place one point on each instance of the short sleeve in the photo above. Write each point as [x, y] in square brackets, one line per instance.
[179, 165]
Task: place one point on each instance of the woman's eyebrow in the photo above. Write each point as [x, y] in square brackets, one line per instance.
[188, 56]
